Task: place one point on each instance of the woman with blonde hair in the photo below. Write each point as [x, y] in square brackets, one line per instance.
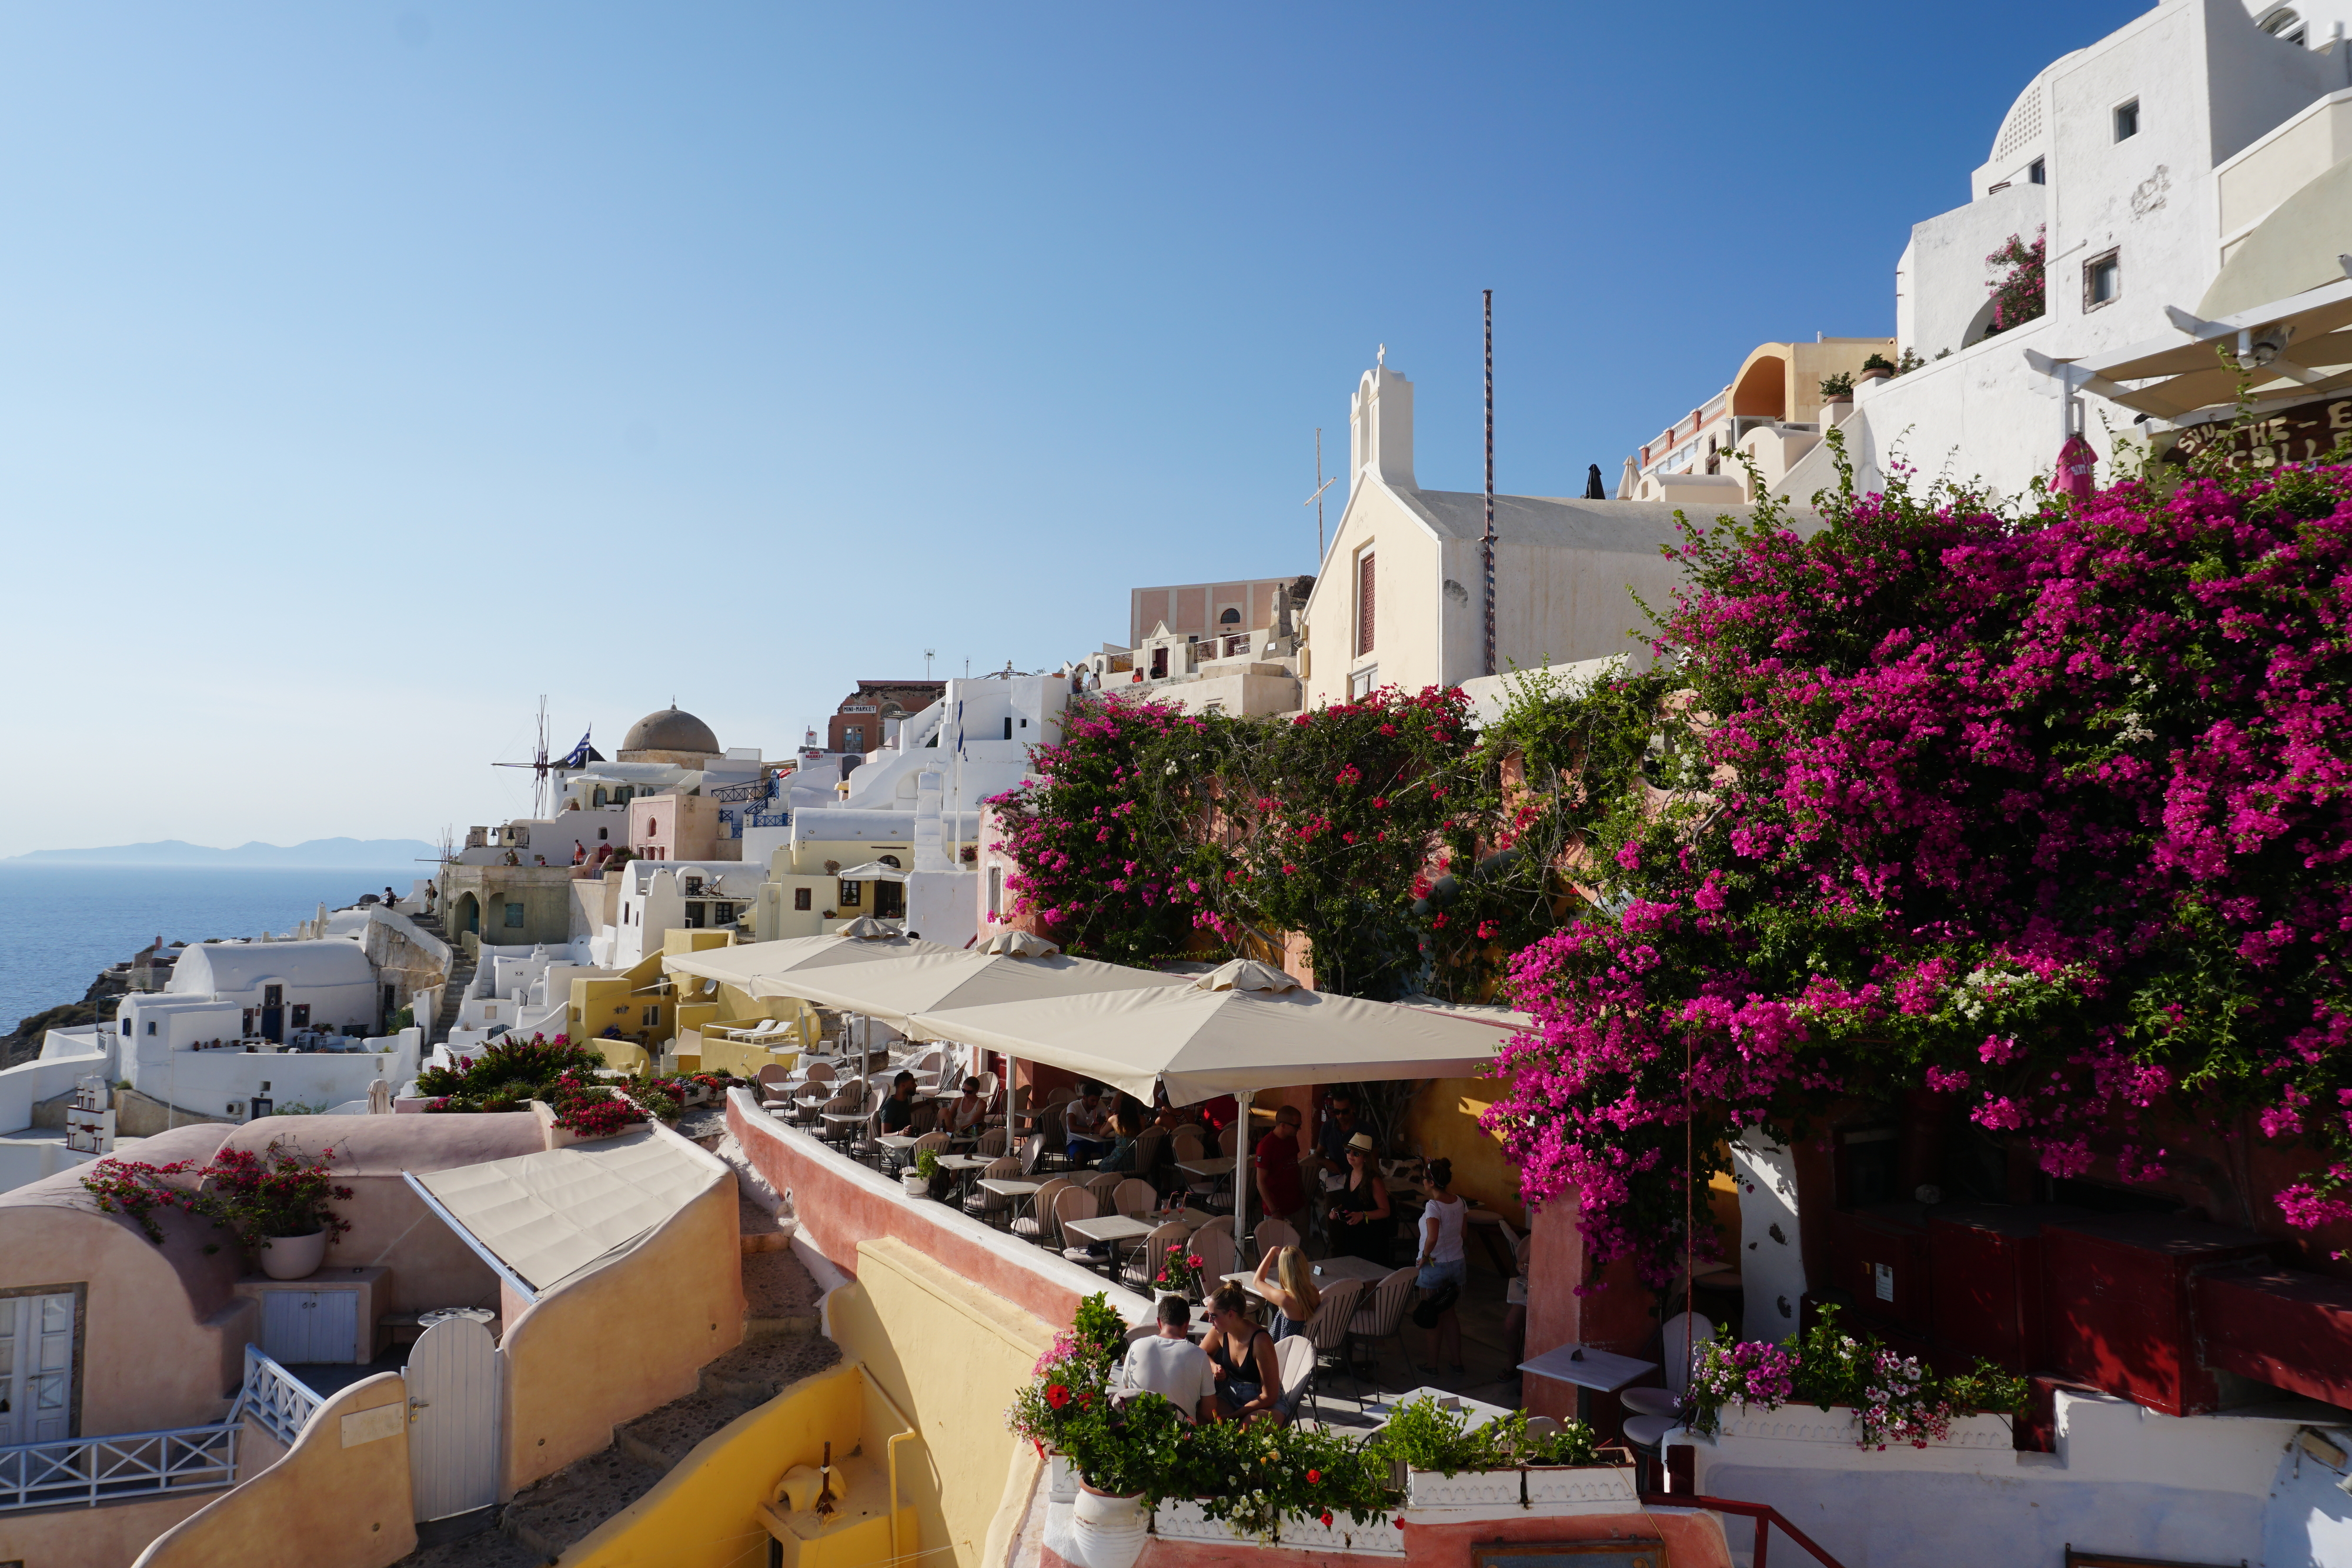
[1291, 1291]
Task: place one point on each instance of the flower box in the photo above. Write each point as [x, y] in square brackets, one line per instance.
[1381, 1538]
[1840, 1424]
[558, 1137]
[1183, 1519]
[1465, 1488]
[1580, 1483]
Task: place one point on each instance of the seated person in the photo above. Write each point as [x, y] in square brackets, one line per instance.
[1171, 1365]
[1127, 1128]
[1087, 1123]
[1249, 1379]
[966, 1114]
[898, 1111]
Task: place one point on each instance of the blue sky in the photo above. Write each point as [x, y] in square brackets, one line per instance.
[367, 370]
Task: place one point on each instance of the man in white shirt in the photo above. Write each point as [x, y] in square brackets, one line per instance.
[1171, 1365]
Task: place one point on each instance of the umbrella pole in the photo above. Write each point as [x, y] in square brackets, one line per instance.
[1241, 1184]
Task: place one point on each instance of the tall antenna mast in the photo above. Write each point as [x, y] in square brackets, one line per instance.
[928, 654]
[1488, 542]
[1316, 500]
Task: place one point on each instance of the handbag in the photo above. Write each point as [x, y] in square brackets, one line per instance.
[1435, 1304]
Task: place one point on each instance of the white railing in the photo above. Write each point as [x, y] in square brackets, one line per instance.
[101, 1469]
[279, 1403]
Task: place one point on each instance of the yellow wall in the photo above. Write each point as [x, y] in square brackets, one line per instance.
[109, 1537]
[703, 1514]
[624, 1338]
[326, 1504]
[952, 1354]
[1443, 1122]
[610, 1001]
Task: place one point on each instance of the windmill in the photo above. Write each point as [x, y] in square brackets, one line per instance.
[546, 772]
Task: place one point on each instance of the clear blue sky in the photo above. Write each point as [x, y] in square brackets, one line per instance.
[367, 370]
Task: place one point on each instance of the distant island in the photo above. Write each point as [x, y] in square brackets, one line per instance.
[366, 854]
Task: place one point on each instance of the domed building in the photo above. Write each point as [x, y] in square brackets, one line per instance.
[671, 736]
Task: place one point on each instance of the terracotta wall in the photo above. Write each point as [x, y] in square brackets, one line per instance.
[109, 1537]
[1616, 1316]
[340, 1498]
[163, 1336]
[625, 1338]
[840, 1204]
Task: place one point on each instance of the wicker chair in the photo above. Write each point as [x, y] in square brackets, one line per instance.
[1327, 1330]
[1039, 1224]
[1214, 1245]
[1143, 1265]
[986, 1206]
[1295, 1357]
[1078, 1203]
[1382, 1317]
[1132, 1197]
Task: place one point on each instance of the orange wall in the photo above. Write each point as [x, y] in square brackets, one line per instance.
[624, 1338]
[1615, 1316]
[109, 1537]
[326, 1504]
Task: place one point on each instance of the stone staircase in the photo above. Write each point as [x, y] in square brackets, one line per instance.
[462, 964]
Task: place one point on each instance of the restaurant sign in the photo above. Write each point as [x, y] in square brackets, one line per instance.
[2301, 432]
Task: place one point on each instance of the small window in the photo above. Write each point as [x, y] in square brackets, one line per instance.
[653, 1015]
[514, 916]
[893, 862]
[1008, 727]
[996, 889]
[603, 835]
[2038, 173]
[854, 738]
[850, 895]
[1364, 603]
[126, 1023]
[694, 915]
[801, 897]
[302, 1014]
[2103, 281]
[1364, 682]
[2127, 120]
[150, 1025]
[1230, 617]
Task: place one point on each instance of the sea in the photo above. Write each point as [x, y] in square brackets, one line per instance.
[60, 925]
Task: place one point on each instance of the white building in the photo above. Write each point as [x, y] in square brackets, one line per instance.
[2179, 170]
[660, 896]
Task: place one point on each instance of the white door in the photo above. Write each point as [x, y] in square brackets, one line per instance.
[335, 1325]
[286, 1317]
[453, 1419]
[36, 1343]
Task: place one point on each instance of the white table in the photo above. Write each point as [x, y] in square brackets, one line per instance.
[1478, 1410]
[1590, 1371]
[963, 1166]
[897, 1143]
[1004, 1186]
[1108, 1228]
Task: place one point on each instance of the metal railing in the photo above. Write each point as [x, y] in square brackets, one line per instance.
[279, 1403]
[1765, 1515]
[92, 1470]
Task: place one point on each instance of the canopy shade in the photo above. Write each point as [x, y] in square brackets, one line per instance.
[746, 963]
[555, 1214]
[1202, 1043]
[953, 978]
[2297, 347]
[872, 871]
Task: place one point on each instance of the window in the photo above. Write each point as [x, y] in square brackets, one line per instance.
[801, 897]
[126, 1022]
[1364, 603]
[603, 835]
[890, 900]
[1230, 617]
[893, 862]
[302, 1014]
[1008, 727]
[1362, 683]
[514, 916]
[694, 913]
[598, 799]
[2127, 121]
[693, 886]
[996, 889]
[721, 913]
[653, 1016]
[2103, 281]
[2038, 173]
[273, 996]
[854, 738]
[150, 1026]
[850, 895]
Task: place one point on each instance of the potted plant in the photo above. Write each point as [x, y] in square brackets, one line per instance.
[1125, 1455]
[277, 1203]
[1868, 1395]
[1876, 368]
[1313, 1489]
[1445, 1463]
[1179, 1272]
[917, 1178]
[1838, 387]
[577, 1113]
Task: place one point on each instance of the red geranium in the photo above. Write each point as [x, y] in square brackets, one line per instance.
[1057, 1394]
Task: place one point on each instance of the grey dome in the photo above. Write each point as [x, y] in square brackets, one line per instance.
[671, 729]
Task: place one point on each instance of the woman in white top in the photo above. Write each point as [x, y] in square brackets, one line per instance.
[965, 1115]
[1443, 1269]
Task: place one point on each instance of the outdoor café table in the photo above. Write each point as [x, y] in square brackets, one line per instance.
[836, 1120]
[1004, 1187]
[897, 1143]
[1110, 1230]
[1590, 1370]
[1207, 1169]
[1327, 1271]
[963, 1166]
[1478, 1410]
[1192, 1219]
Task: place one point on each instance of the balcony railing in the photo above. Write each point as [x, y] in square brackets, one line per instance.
[279, 1403]
[92, 1470]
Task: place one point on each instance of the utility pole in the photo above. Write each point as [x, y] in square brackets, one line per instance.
[1488, 542]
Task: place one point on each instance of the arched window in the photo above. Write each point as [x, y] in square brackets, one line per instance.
[1232, 617]
[892, 862]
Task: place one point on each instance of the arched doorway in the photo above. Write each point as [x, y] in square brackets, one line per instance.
[470, 914]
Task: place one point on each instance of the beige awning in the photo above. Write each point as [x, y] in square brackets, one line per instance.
[911, 983]
[2296, 347]
[555, 1214]
[746, 962]
[1201, 1043]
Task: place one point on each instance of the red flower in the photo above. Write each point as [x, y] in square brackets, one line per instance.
[1312, 1477]
[1057, 1394]
[1193, 1260]
[1327, 1519]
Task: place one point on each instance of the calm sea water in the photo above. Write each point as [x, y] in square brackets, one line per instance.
[60, 925]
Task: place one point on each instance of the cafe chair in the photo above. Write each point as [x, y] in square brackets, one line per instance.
[1132, 1197]
[1294, 1358]
[1384, 1317]
[1270, 1234]
[1076, 1203]
[1038, 1224]
[1143, 1265]
[986, 1205]
[1327, 1330]
[1214, 1245]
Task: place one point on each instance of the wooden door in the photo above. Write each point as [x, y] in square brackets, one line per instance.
[453, 1419]
[287, 1317]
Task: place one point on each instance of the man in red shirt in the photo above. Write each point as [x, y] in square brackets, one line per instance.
[1275, 1161]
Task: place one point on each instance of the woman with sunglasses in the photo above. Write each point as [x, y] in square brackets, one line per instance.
[1249, 1380]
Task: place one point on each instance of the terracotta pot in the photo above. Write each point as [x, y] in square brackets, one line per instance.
[294, 1257]
[1107, 1532]
[1875, 373]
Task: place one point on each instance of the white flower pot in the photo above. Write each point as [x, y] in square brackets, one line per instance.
[914, 1184]
[1580, 1483]
[1061, 1479]
[1466, 1489]
[1838, 1424]
[1381, 1538]
[294, 1257]
[1107, 1532]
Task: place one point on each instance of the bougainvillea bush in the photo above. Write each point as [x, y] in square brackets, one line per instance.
[2044, 814]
